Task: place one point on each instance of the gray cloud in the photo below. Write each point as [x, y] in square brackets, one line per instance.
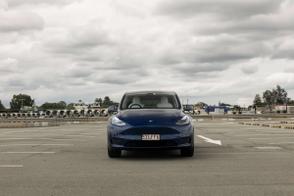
[76, 40]
[8, 65]
[287, 79]
[57, 50]
[79, 71]
[198, 70]
[284, 49]
[3, 4]
[15, 3]
[121, 77]
[213, 54]
[27, 82]
[289, 69]
[259, 27]
[229, 9]
[116, 80]
[20, 21]
[249, 69]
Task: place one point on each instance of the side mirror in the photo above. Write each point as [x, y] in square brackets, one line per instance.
[113, 109]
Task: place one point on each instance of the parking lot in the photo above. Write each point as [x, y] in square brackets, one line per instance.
[230, 159]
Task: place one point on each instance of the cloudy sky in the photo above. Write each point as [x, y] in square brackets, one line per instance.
[206, 50]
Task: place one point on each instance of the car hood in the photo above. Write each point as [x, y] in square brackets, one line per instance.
[150, 117]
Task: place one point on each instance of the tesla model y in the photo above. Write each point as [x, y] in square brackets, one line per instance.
[150, 120]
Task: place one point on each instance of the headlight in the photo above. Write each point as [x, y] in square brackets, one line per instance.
[183, 121]
[116, 121]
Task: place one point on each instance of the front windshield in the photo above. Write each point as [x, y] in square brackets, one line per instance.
[150, 101]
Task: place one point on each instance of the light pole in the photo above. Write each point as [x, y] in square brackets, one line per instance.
[287, 106]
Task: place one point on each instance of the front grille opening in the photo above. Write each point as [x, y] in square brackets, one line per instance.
[161, 143]
[149, 130]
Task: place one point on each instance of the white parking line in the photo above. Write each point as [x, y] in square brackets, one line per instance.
[27, 152]
[206, 139]
[11, 166]
[4, 145]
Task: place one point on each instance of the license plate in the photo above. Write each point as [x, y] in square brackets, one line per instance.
[151, 137]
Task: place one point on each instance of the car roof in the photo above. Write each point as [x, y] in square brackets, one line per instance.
[146, 92]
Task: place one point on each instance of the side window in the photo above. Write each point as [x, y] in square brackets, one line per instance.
[128, 101]
[170, 101]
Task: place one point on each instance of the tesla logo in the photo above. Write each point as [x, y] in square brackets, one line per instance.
[150, 121]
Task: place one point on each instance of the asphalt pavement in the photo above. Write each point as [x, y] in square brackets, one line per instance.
[71, 160]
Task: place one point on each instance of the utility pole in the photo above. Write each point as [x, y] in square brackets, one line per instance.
[286, 105]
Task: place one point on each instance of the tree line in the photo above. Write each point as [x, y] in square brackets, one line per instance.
[270, 98]
[21, 101]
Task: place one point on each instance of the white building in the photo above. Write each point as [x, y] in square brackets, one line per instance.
[83, 106]
[284, 109]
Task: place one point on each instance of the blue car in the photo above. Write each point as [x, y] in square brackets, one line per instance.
[150, 120]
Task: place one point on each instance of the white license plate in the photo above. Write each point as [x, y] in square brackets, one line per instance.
[151, 137]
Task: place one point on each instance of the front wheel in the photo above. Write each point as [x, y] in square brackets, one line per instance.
[112, 153]
[187, 152]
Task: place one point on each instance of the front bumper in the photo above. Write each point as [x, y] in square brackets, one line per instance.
[161, 144]
[170, 138]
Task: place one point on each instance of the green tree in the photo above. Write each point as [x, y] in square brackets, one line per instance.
[62, 104]
[277, 96]
[280, 95]
[98, 100]
[257, 101]
[291, 102]
[54, 106]
[2, 107]
[21, 100]
[237, 108]
[107, 102]
[70, 106]
[269, 99]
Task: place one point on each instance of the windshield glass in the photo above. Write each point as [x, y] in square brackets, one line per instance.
[150, 101]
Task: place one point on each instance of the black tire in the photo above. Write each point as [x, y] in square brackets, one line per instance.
[113, 153]
[187, 152]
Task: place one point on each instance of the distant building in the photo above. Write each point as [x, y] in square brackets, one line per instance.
[80, 105]
[83, 106]
[95, 106]
[280, 108]
[217, 109]
[284, 109]
[290, 109]
[33, 108]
